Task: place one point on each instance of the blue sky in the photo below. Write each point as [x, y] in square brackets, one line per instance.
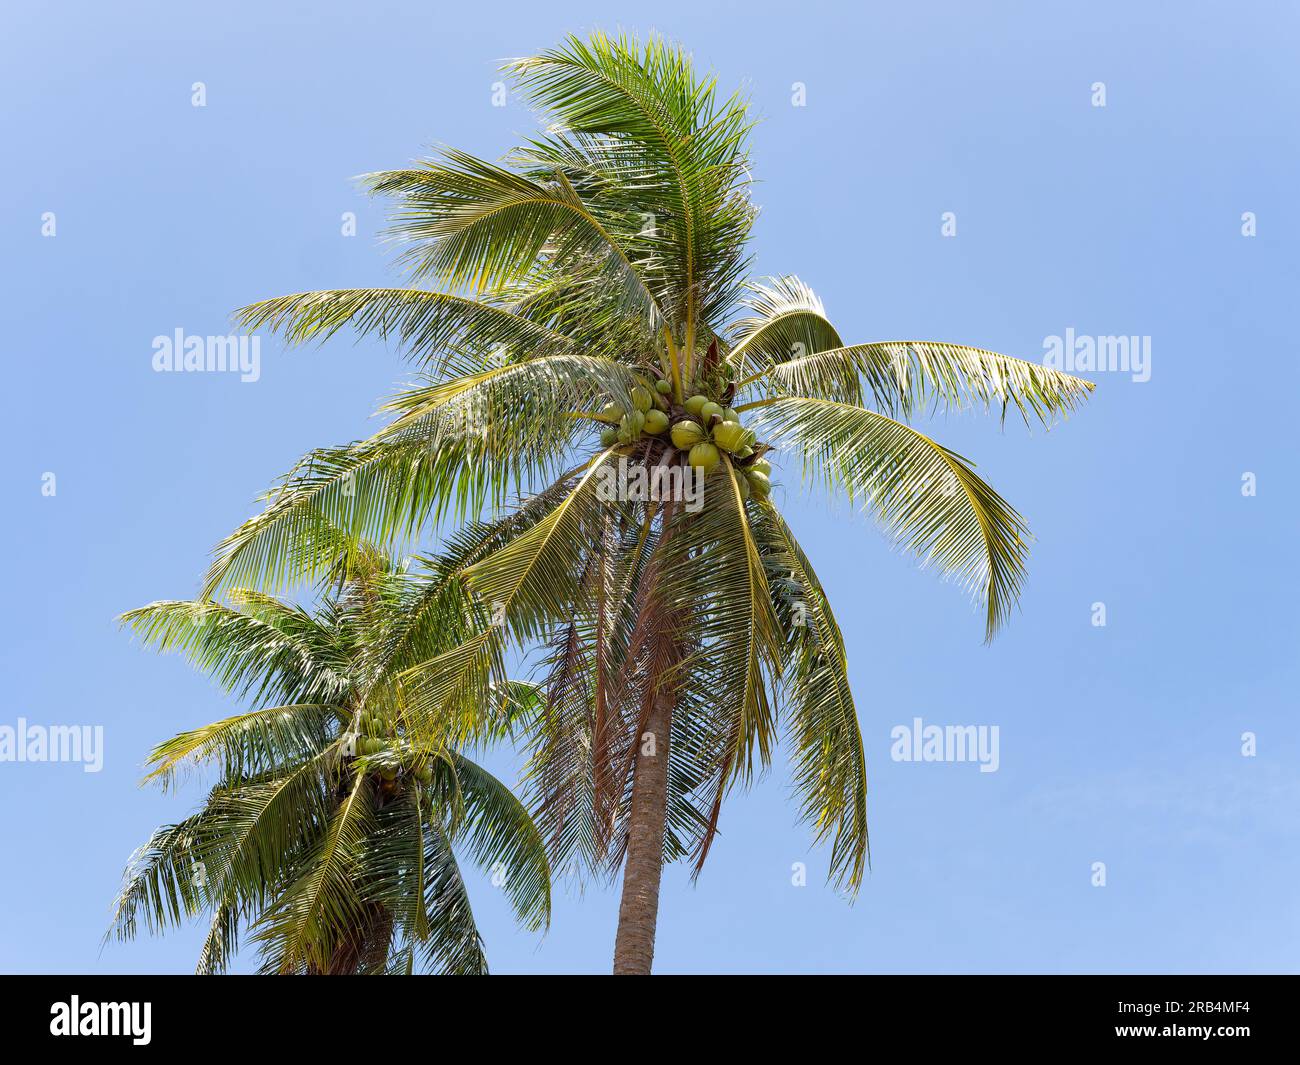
[1118, 744]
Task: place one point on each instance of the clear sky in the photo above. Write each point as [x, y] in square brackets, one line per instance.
[1119, 744]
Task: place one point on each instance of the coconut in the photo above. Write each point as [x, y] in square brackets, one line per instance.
[704, 456]
[695, 404]
[610, 412]
[730, 415]
[742, 482]
[608, 436]
[687, 434]
[663, 387]
[656, 421]
[641, 399]
[424, 775]
[709, 411]
[630, 426]
[761, 466]
[759, 483]
[728, 436]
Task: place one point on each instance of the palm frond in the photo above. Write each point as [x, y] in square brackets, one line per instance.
[787, 322]
[929, 499]
[285, 656]
[830, 767]
[469, 222]
[427, 325]
[905, 377]
[496, 829]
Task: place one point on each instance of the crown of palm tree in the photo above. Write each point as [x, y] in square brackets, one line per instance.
[600, 263]
[330, 835]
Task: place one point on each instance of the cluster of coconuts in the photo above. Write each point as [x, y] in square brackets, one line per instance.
[376, 738]
[700, 429]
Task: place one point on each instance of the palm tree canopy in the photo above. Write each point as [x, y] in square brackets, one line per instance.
[556, 299]
[330, 835]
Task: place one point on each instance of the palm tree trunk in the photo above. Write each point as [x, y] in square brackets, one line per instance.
[638, 913]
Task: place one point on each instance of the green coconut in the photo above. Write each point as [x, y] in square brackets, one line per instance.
[656, 421]
[761, 466]
[742, 482]
[630, 426]
[695, 404]
[730, 415]
[704, 456]
[642, 400]
[729, 436]
[759, 483]
[608, 436]
[687, 434]
[424, 775]
[663, 387]
[610, 412]
[710, 411]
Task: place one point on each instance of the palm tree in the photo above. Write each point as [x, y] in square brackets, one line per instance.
[330, 836]
[584, 306]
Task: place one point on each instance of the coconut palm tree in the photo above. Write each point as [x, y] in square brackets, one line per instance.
[584, 306]
[330, 835]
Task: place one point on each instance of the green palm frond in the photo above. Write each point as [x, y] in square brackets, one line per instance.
[529, 582]
[394, 867]
[159, 889]
[284, 657]
[714, 559]
[927, 498]
[248, 745]
[907, 376]
[677, 126]
[453, 945]
[500, 836]
[426, 324]
[454, 447]
[830, 767]
[311, 919]
[787, 322]
[468, 222]
[448, 696]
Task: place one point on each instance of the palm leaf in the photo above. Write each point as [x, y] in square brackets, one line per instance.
[927, 498]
